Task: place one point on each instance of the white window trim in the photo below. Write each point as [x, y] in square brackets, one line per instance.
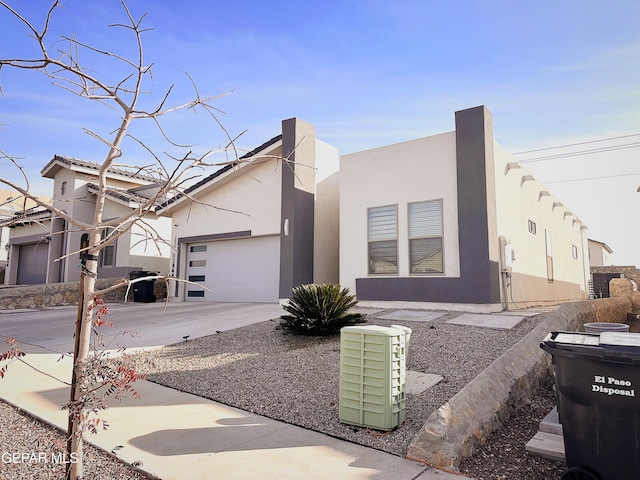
[441, 237]
[369, 242]
[103, 235]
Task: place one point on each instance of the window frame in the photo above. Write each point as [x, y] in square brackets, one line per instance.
[549, 254]
[370, 242]
[111, 247]
[420, 237]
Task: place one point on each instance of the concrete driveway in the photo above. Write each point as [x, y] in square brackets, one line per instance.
[155, 324]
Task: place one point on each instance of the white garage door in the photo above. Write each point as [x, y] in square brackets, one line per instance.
[240, 270]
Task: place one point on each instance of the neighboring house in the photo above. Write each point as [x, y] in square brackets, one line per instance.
[454, 219]
[253, 230]
[11, 202]
[43, 248]
[599, 254]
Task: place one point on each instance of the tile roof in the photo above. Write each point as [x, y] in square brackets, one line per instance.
[25, 217]
[96, 166]
[119, 194]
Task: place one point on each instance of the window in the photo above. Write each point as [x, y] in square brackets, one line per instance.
[198, 248]
[63, 188]
[195, 293]
[547, 241]
[198, 263]
[383, 240]
[84, 244]
[425, 237]
[532, 227]
[196, 278]
[574, 251]
[108, 253]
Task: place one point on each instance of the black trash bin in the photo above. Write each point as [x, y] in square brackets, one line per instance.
[143, 290]
[598, 395]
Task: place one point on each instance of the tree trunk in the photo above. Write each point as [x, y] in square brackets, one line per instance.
[71, 432]
[81, 354]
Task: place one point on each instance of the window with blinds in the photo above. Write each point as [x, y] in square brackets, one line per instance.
[107, 255]
[425, 237]
[383, 240]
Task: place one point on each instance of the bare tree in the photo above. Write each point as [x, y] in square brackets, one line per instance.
[170, 171]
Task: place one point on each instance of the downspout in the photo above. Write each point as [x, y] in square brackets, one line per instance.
[584, 266]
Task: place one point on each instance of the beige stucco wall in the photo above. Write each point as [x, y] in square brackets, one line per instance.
[250, 202]
[517, 202]
[413, 171]
[326, 245]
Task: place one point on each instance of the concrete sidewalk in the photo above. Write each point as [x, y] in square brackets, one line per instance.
[175, 435]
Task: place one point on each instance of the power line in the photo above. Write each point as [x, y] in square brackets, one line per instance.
[583, 152]
[576, 144]
[592, 178]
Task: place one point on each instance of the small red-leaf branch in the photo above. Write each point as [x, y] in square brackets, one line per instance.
[13, 353]
[102, 376]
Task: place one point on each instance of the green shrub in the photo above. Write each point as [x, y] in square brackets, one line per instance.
[319, 310]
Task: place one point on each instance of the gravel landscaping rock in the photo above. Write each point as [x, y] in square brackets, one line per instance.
[45, 446]
[503, 456]
[295, 379]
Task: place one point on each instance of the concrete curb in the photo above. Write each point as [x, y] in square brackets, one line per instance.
[452, 433]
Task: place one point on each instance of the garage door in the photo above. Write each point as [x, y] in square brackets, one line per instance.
[240, 270]
[32, 263]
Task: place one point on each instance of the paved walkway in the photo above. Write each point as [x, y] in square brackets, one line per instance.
[176, 435]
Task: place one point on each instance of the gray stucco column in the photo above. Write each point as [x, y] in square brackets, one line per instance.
[477, 224]
[297, 210]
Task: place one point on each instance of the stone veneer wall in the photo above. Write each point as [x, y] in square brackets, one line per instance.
[58, 294]
[453, 432]
[629, 272]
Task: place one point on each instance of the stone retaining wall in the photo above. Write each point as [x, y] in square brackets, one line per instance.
[453, 432]
[55, 294]
[58, 294]
[629, 271]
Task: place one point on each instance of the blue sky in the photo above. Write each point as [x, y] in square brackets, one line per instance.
[368, 73]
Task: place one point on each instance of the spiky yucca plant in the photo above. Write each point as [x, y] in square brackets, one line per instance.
[319, 310]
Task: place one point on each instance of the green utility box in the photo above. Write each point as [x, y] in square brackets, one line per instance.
[373, 376]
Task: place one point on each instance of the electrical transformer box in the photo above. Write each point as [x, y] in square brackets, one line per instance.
[373, 376]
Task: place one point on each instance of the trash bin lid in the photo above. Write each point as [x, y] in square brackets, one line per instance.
[620, 347]
[624, 339]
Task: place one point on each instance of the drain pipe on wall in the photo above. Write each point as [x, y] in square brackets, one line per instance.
[506, 258]
[506, 279]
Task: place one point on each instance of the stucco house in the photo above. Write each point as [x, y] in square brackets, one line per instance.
[446, 221]
[454, 219]
[42, 247]
[600, 254]
[256, 228]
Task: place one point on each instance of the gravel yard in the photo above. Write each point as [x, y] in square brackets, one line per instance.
[21, 433]
[295, 379]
